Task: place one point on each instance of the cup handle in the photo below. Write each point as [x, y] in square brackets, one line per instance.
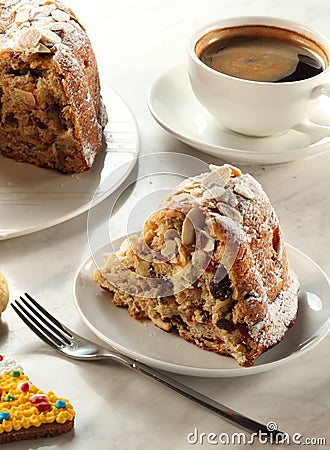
[309, 127]
[321, 89]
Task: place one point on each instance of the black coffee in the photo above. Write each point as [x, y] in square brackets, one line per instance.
[262, 53]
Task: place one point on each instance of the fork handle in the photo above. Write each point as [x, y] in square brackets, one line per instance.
[250, 425]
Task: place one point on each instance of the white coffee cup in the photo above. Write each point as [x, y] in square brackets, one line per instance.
[259, 108]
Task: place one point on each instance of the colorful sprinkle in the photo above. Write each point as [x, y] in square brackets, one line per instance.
[1, 358]
[60, 404]
[9, 398]
[24, 386]
[40, 401]
[43, 406]
[15, 373]
[37, 398]
[4, 416]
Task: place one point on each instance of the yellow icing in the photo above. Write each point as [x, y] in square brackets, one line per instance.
[22, 413]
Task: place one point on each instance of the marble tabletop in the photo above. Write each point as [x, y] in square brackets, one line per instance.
[135, 42]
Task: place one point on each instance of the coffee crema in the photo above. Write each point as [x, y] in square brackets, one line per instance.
[262, 53]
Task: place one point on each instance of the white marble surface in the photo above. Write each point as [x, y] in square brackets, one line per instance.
[117, 409]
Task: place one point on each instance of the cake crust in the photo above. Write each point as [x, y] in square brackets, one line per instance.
[45, 430]
[212, 264]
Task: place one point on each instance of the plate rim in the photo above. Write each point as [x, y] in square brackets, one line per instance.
[236, 154]
[92, 201]
[205, 372]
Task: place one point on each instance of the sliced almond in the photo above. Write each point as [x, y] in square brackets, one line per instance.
[229, 211]
[29, 38]
[177, 240]
[209, 247]
[60, 16]
[42, 22]
[23, 14]
[43, 49]
[230, 198]
[244, 191]
[196, 191]
[47, 8]
[188, 232]
[207, 195]
[171, 234]
[50, 37]
[169, 249]
[62, 26]
[41, 14]
[207, 242]
[172, 243]
[191, 182]
[195, 219]
[226, 171]
[214, 178]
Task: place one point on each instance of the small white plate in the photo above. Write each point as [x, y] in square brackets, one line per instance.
[33, 198]
[173, 105]
[150, 345]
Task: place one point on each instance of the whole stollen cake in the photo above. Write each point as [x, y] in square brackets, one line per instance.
[26, 412]
[210, 263]
[52, 113]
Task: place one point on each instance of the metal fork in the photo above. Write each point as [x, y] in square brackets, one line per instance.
[58, 336]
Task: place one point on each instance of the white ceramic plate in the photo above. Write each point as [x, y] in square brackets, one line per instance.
[33, 198]
[148, 344]
[173, 105]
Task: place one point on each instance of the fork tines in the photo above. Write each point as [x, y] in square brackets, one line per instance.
[41, 322]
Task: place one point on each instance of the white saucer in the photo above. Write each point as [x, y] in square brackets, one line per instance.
[173, 105]
[167, 351]
[33, 198]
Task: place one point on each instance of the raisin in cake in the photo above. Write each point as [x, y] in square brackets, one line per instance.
[4, 294]
[26, 412]
[51, 113]
[211, 263]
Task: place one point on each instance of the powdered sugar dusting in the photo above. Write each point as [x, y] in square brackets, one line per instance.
[279, 316]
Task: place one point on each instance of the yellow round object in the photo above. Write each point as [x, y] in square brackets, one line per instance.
[4, 294]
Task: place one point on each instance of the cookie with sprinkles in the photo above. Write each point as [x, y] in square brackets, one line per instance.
[26, 412]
